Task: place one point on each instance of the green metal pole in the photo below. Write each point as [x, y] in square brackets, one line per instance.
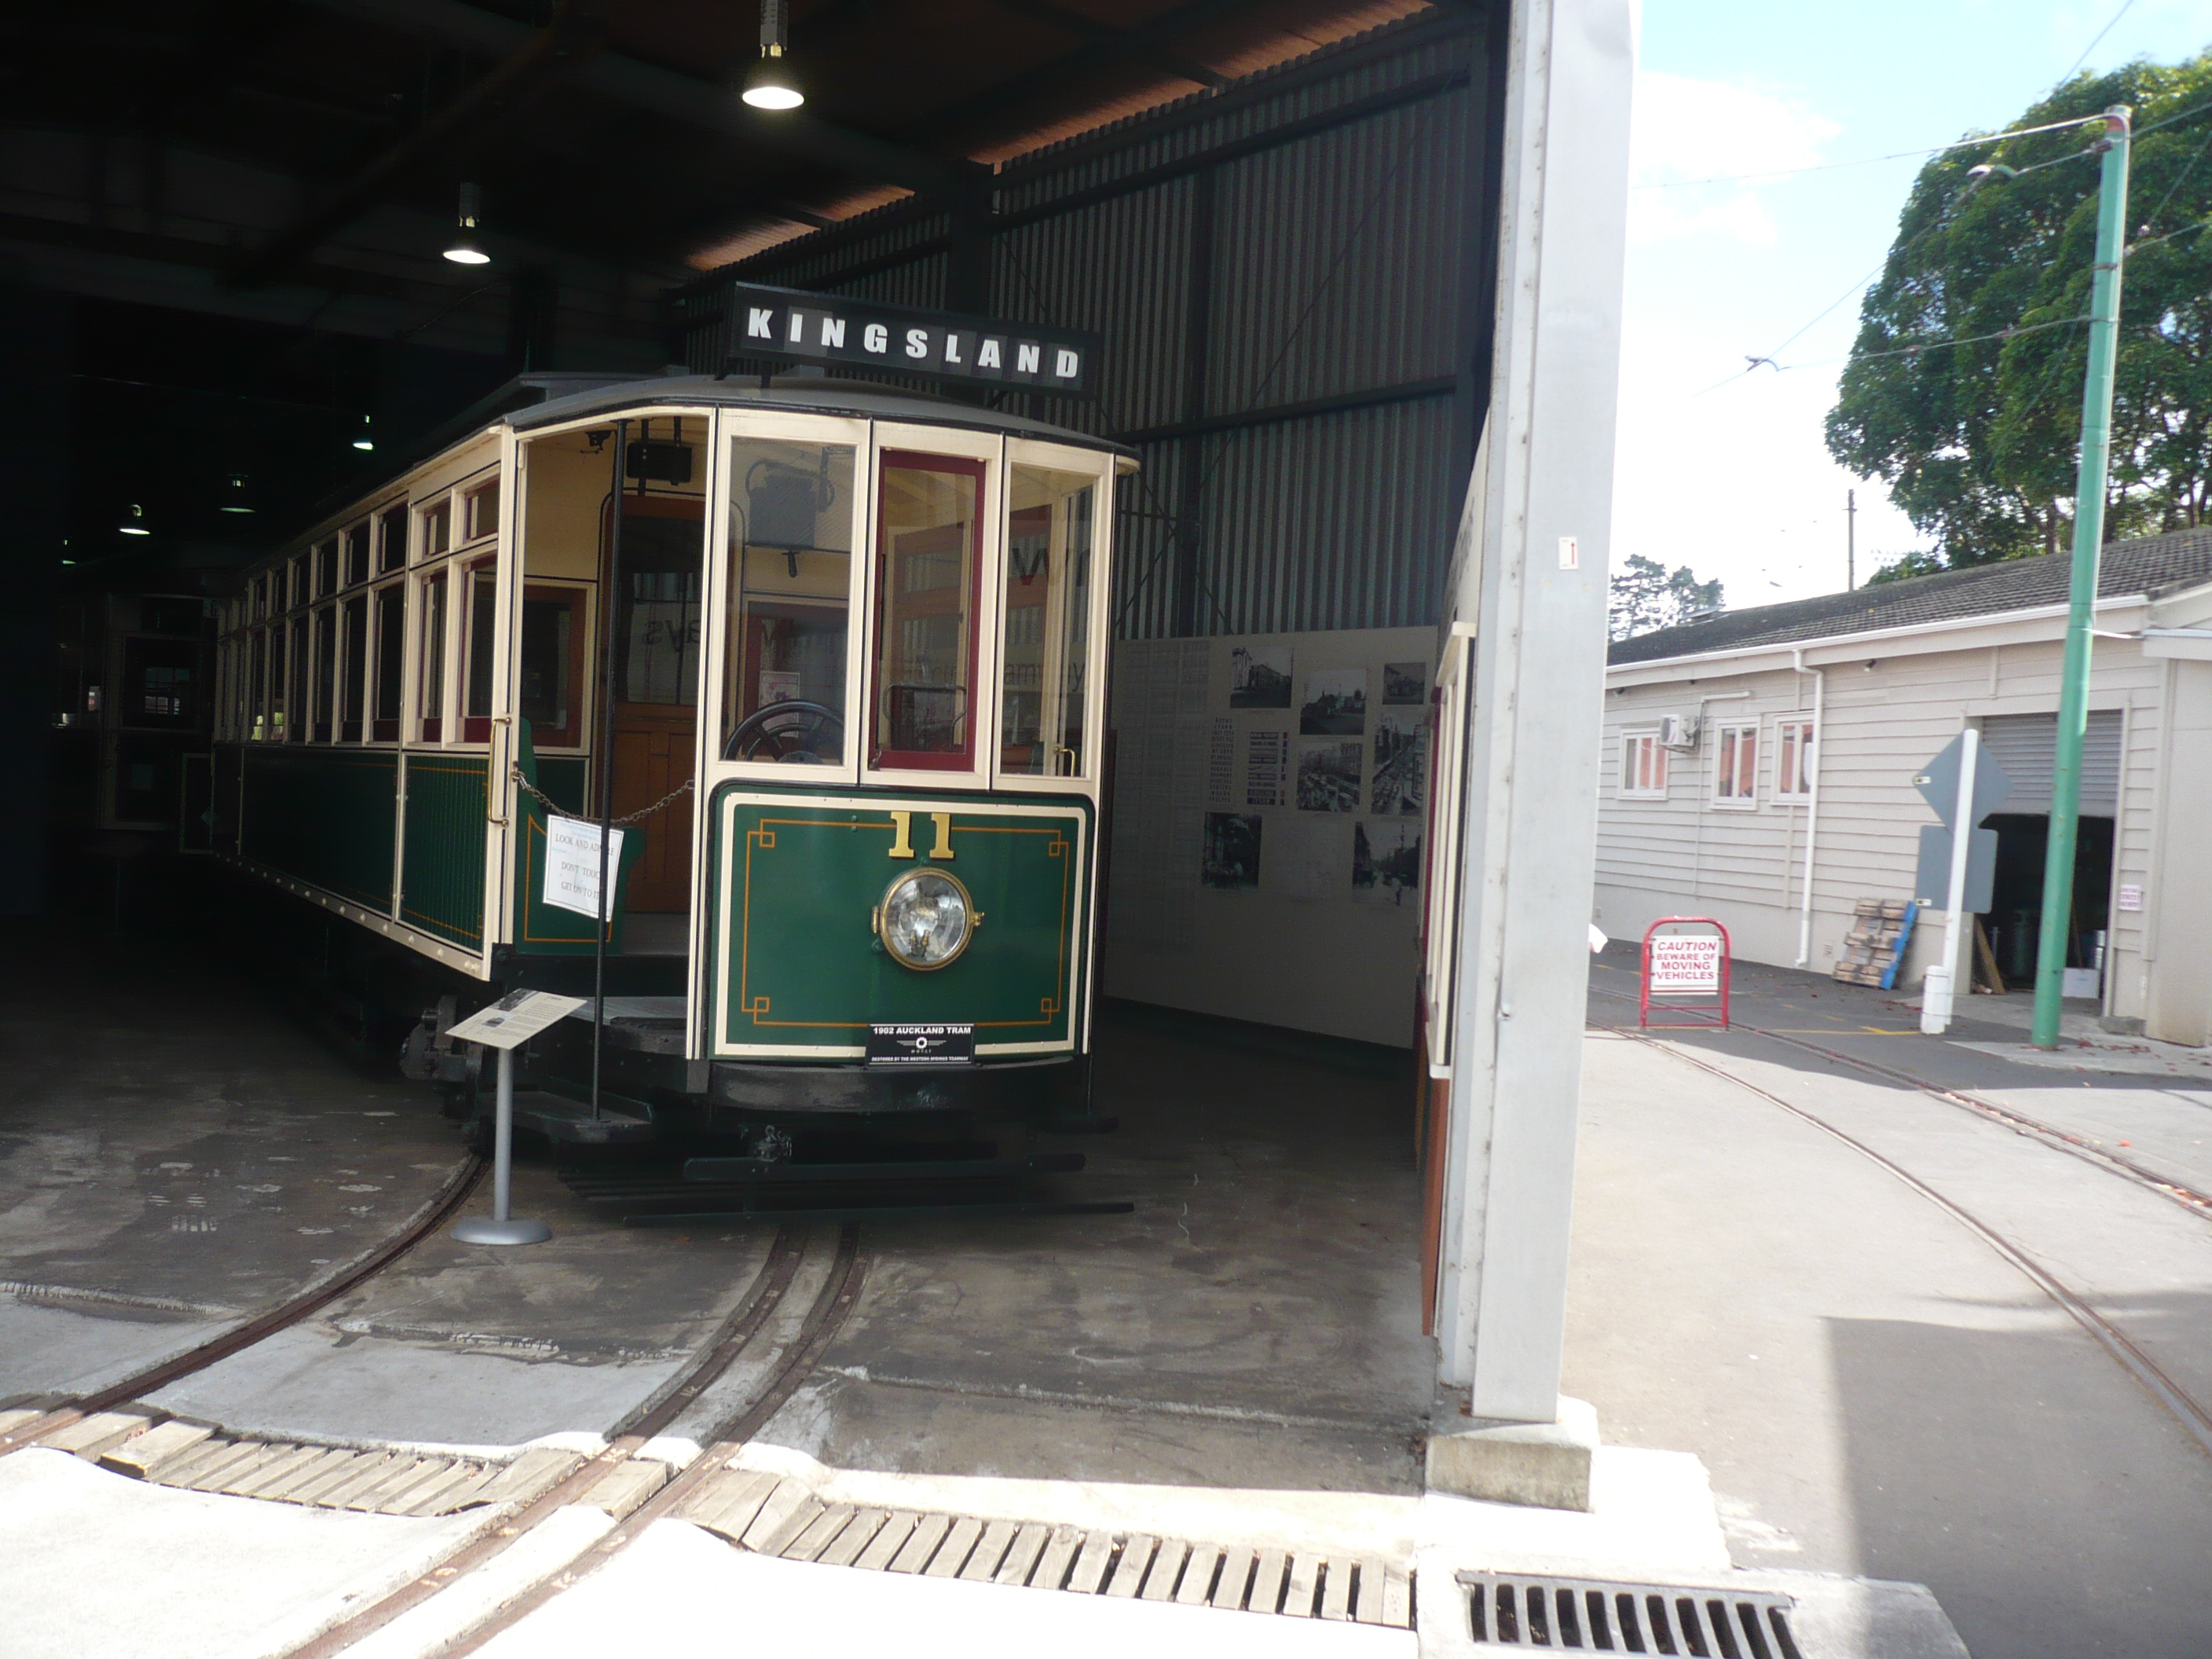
[2089, 543]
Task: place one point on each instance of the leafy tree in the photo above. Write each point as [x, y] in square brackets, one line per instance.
[1643, 596]
[1977, 440]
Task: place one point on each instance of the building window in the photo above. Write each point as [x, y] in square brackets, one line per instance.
[1643, 766]
[1793, 760]
[1735, 770]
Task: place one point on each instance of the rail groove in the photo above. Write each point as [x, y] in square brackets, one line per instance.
[2065, 1141]
[433, 1215]
[2194, 1420]
[770, 1283]
[824, 1320]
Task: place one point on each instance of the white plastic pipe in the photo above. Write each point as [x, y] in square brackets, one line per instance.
[1812, 801]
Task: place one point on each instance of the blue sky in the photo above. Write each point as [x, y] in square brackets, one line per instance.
[1735, 480]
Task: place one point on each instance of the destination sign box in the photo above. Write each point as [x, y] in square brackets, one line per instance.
[828, 328]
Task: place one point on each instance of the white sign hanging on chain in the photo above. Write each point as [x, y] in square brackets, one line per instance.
[572, 866]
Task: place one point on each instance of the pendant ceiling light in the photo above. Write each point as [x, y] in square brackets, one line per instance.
[463, 249]
[769, 84]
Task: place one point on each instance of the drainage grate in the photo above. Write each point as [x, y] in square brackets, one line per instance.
[1516, 1611]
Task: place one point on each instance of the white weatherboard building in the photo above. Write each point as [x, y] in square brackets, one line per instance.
[1741, 750]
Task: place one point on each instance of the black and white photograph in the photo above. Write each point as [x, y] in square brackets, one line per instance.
[1405, 683]
[1232, 849]
[1260, 677]
[1328, 777]
[1336, 704]
[1386, 862]
[1401, 764]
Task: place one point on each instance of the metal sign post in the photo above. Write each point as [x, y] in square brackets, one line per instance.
[1956, 857]
[507, 1025]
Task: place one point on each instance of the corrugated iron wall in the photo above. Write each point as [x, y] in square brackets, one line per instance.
[1286, 276]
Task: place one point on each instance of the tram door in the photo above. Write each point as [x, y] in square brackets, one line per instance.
[657, 642]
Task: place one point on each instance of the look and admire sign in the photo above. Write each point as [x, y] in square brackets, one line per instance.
[572, 866]
[1686, 962]
[829, 328]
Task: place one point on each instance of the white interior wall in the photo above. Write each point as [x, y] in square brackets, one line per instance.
[1301, 946]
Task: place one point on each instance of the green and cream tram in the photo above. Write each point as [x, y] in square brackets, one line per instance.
[831, 656]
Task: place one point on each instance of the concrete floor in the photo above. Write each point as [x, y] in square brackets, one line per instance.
[1254, 1323]
[176, 1150]
[1874, 1388]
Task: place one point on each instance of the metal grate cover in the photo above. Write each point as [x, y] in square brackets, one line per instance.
[1517, 1610]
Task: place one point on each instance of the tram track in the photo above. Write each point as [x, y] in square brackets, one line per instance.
[840, 1291]
[762, 1298]
[2190, 1414]
[2197, 1203]
[800, 1356]
[436, 1212]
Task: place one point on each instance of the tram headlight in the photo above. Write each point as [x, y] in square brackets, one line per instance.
[926, 919]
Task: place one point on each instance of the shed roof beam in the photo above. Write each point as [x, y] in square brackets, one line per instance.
[1098, 34]
[577, 32]
[1118, 45]
[704, 103]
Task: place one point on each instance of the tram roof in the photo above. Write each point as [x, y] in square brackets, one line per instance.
[801, 394]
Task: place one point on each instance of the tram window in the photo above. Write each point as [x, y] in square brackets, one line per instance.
[483, 510]
[354, 668]
[791, 576]
[484, 613]
[327, 670]
[275, 728]
[392, 541]
[326, 567]
[657, 632]
[356, 554]
[1042, 689]
[437, 528]
[295, 697]
[928, 561]
[553, 665]
[256, 685]
[390, 663]
[296, 584]
[433, 683]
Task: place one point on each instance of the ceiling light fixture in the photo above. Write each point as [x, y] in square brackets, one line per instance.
[137, 526]
[769, 83]
[237, 482]
[463, 249]
[365, 441]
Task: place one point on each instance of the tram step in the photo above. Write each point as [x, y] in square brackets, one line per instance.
[744, 1171]
[558, 1118]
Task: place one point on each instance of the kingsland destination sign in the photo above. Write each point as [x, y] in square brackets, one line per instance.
[828, 328]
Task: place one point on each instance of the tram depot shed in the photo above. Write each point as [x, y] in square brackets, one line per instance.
[1717, 812]
[1356, 303]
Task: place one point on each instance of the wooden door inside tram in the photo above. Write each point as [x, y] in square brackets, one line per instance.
[657, 634]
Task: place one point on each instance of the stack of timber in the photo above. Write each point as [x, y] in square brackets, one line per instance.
[1880, 929]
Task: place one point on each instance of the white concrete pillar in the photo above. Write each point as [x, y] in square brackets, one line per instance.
[1531, 574]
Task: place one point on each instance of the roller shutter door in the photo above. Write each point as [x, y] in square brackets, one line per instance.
[2026, 746]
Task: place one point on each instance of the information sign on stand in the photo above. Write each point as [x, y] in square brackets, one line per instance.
[506, 1026]
[1679, 965]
